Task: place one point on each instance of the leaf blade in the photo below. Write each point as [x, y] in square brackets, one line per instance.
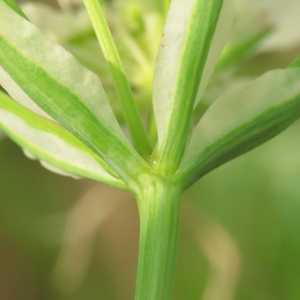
[52, 144]
[241, 120]
[65, 90]
[180, 62]
[131, 114]
[218, 43]
[295, 63]
[13, 5]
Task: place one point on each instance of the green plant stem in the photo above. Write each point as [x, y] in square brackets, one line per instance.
[152, 131]
[131, 114]
[159, 231]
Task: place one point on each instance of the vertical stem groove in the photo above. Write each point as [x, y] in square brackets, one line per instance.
[159, 231]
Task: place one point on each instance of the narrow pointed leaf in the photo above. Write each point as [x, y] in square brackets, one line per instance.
[13, 5]
[131, 114]
[295, 63]
[218, 43]
[167, 5]
[49, 142]
[237, 52]
[241, 120]
[68, 92]
[181, 59]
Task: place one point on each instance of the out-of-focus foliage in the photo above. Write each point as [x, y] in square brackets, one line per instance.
[66, 239]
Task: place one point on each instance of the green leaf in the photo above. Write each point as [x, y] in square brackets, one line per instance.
[68, 92]
[241, 120]
[17, 93]
[13, 5]
[131, 114]
[218, 43]
[237, 52]
[167, 6]
[295, 63]
[181, 60]
[49, 142]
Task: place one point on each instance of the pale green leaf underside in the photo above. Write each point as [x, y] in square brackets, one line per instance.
[17, 93]
[63, 88]
[49, 142]
[241, 120]
[188, 33]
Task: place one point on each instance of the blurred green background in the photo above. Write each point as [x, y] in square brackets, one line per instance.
[69, 239]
